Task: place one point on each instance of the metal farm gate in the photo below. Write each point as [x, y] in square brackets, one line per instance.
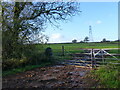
[91, 58]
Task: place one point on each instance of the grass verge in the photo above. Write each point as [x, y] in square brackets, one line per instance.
[108, 76]
[23, 69]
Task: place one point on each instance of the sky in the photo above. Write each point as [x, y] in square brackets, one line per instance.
[102, 16]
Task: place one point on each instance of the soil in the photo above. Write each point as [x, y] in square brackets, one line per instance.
[59, 76]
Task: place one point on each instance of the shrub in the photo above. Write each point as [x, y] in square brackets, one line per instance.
[14, 63]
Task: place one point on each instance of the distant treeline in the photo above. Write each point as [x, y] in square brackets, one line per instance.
[116, 41]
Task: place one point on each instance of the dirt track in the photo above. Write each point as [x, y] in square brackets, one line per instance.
[51, 77]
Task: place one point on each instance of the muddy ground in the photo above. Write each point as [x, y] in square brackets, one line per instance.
[59, 76]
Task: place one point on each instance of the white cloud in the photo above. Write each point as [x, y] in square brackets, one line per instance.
[98, 22]
[56, 37]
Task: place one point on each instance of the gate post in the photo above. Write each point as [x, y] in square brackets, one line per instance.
[102, 57]
[63, 53]
[92, 58]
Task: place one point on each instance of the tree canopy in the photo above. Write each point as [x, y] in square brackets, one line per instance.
[74, 41]
[86, 39]
[24, 22]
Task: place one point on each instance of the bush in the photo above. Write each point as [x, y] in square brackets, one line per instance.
[30, 55]
[14, 63]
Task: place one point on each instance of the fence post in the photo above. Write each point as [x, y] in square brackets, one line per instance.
[63, 53]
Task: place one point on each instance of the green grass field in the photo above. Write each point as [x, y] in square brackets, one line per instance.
[76, 47]
[84, 45]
